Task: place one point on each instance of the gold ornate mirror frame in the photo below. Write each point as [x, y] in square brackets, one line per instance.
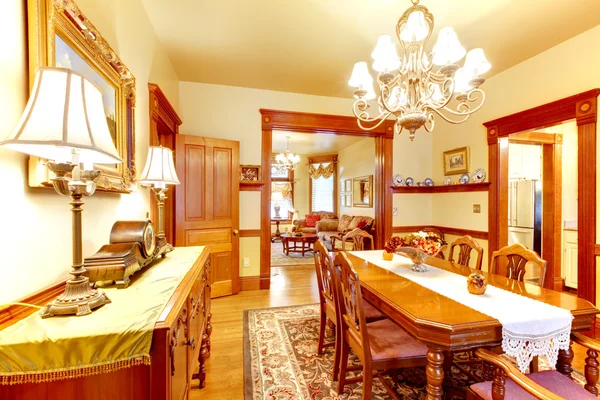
[362, 191]
[49, 19]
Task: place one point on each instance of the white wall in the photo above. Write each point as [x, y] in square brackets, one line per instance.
[36, 224]
[357, 161]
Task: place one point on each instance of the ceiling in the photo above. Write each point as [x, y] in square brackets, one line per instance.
[310, 46]
[311, 144]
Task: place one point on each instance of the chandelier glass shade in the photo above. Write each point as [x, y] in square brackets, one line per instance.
[287, 160]
[415, 86]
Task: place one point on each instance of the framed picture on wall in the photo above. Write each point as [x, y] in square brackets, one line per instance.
[456, 161]
[348, 200]
[342, 187]
[250, 173]
[342, 200]
[348, 185]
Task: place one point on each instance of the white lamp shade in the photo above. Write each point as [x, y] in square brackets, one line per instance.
[385, 56]
[448, 49]
[276, 196]
[159, 169]
[360, 75]
[476, 62]
[64, 113]
[461, 81]
[416, 28]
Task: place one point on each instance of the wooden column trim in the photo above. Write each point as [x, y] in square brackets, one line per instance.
[586, 115]
[265, 201]
[552, 213]
[161, 110]
[583, 107]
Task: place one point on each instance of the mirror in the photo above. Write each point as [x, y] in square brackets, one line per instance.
[362, 191]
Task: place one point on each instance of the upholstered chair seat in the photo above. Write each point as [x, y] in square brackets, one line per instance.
[389, 341]
[554, 381]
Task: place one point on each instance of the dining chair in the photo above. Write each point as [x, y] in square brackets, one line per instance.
[433, 229]
[518, 256]
[357, 238]
[466, 245]
[380, 345]
[546, 385]
[329, 303]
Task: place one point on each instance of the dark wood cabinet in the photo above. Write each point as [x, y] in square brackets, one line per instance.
[179, 351]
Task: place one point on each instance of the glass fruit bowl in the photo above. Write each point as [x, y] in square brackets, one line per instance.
[415, 255]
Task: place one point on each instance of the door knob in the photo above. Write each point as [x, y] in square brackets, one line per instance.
[235, 232]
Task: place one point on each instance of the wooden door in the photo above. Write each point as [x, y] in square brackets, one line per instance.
[207, 205]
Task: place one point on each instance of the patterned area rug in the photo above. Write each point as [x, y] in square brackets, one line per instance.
[281, 362]
[278, 257]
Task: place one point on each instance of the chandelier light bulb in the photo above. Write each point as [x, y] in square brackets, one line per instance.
[461, 81]
[476, 62]
[448, 49]
[385, 56]
[416, 28]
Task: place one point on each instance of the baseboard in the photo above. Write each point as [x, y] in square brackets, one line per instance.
[265, 281]
[249, 283]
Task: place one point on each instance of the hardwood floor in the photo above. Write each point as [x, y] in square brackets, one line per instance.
[290, 285]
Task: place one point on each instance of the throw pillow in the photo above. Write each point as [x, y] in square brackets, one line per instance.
[344, 223]
[311, 220]
[361, 224]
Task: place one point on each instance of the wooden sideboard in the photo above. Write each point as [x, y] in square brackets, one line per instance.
[179, 351]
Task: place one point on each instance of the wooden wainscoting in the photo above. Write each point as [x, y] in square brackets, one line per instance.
[445, 229]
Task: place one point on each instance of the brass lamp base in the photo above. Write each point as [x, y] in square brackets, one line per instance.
[79, 298]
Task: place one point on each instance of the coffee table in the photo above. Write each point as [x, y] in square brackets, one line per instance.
[299, 244]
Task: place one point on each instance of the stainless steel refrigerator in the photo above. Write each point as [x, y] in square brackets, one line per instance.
[525, 213]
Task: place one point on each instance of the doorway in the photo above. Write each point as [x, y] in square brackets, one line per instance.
[325, 124]
[581, 108]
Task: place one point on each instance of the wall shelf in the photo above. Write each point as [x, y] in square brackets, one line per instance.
[250, 186]
[467, 187]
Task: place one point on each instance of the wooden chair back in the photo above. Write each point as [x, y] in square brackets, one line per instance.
[352, 317]
[518, 256]
[324, 277]
[466, 245]
[433, 229]
[358, 238]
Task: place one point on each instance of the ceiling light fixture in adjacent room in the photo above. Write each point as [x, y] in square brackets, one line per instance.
[287, 160]
[417, 85]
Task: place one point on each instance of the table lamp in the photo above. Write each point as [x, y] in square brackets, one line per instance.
[159, 172]
[276, 197]
[64, 121]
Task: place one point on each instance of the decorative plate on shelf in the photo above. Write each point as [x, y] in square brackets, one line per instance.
[447, 181]
[428, 182]
[398, 180]
[464, 178]
[478, 176]
[409, 181]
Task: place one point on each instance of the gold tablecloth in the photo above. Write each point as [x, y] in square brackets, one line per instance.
[117, 335]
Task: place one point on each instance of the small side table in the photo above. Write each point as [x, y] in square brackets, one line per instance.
[277, 232]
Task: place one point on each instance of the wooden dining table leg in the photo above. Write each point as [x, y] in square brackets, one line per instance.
[565, 358]
[435, 373]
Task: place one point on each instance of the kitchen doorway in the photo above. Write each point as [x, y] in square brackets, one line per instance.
[535, 197]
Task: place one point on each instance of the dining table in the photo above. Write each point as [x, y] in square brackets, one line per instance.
[445, 325]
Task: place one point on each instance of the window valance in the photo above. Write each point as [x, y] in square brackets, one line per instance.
[324, 170]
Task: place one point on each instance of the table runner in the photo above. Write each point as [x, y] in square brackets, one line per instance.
[529, 327]
[115, 336]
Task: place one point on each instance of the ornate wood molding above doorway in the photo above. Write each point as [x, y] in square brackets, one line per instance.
[325, 124]
[583, 108]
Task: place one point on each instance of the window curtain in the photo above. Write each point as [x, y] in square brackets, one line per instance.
[324, 170]
[287, 204]
[322, 176]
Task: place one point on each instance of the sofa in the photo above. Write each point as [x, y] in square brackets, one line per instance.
[300, 224]
[327, 229]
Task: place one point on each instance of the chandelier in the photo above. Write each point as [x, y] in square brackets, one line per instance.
[417, 85]
[288, 160]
